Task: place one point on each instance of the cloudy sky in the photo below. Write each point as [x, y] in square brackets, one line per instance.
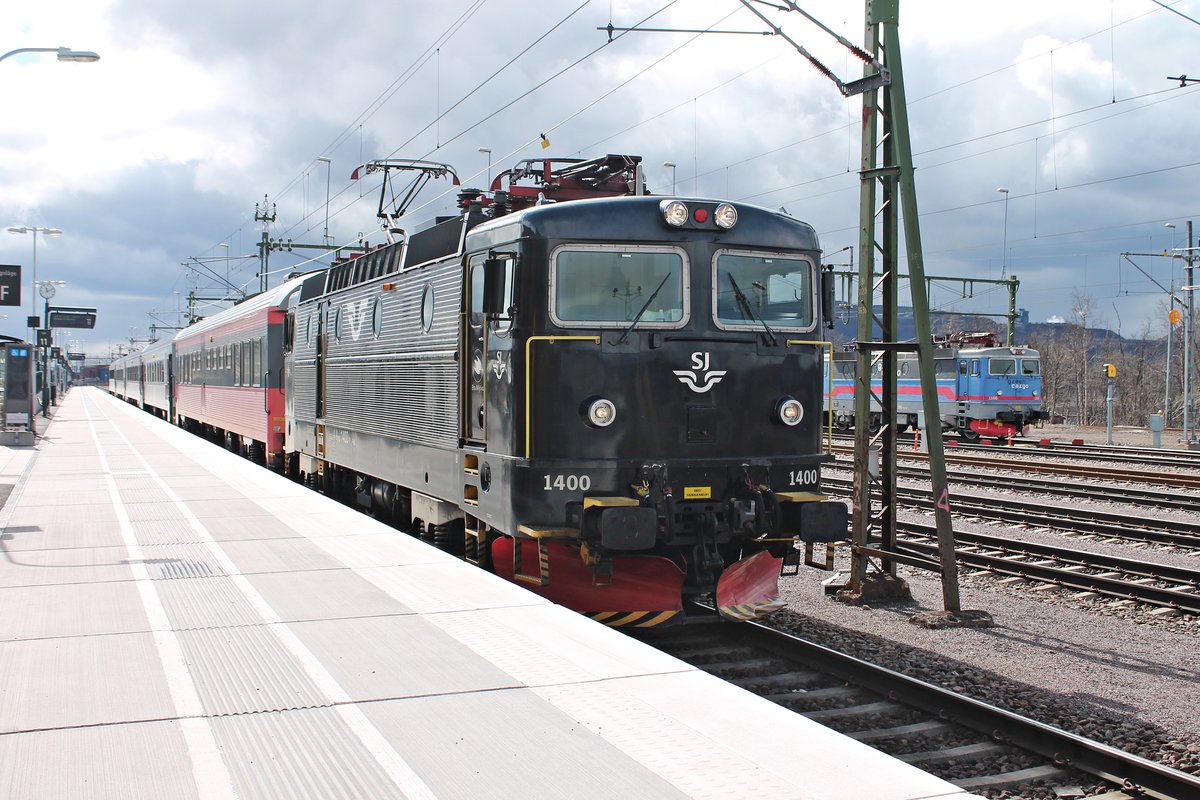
[156, 155]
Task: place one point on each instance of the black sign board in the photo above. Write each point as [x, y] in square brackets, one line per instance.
[56, 352]
[33, 322]
[76, 356]
[72, 317]
[43, 337]
[18, 382]
[10, 285]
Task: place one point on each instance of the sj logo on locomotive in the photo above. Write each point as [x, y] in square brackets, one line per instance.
[700, 378]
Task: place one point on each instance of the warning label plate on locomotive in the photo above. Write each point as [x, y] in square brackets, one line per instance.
[697, 492]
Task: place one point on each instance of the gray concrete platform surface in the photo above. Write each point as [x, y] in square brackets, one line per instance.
[178, 622]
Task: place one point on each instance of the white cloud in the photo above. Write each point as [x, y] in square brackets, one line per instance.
[195, 111]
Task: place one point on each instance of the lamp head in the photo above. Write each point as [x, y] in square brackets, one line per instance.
[78, 56]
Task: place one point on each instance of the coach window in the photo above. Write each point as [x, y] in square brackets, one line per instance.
[752, 289]
[611, 286]
[256, 361]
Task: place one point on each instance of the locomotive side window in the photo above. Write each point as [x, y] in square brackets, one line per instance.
[500, 324]
[609, 286]
[476, 315]
[755, 289]
[427, 301]
[943, 368]
[1002, 366]
[1031, 366]
[377, 318]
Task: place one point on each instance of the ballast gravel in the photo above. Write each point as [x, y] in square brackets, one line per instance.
[1111, 672]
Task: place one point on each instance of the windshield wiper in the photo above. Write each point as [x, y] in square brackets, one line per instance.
[638, 317]
[744, 305]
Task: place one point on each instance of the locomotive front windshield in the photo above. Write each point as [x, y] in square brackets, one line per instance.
[609, 286]
[755, 289]
[1002, 366]
[1012, 366]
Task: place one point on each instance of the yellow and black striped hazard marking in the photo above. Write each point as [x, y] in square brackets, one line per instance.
[634, 619]
[543, 576]
[745, 611]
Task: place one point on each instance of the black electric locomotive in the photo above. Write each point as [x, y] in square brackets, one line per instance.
[615, 400]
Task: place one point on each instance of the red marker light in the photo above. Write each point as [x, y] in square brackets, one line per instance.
[701, 215]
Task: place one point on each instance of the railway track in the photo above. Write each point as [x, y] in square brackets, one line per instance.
[976, 746]
[1179, 533]
[1121, 579]
[1125, 495]
[1087, 472]
[1097, 452]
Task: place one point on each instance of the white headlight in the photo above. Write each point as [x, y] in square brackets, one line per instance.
[674, 212]
[601, 412]
[725, 216]
[789, 411]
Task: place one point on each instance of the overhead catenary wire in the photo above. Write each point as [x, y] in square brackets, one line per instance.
[725, 167]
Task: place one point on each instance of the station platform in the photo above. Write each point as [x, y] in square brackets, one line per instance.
[178, 622]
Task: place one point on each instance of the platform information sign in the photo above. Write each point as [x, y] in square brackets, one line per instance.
[10, 285]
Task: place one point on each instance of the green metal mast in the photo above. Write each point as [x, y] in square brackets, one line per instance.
[887, 189]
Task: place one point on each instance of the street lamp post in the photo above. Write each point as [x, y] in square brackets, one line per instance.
[64, 53]
[35, 230]
[1004, 246]
[488, 153]
[671, 165]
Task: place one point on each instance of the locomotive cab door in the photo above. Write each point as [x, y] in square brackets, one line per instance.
[475, 390]
[320, 313]
[488, 300]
